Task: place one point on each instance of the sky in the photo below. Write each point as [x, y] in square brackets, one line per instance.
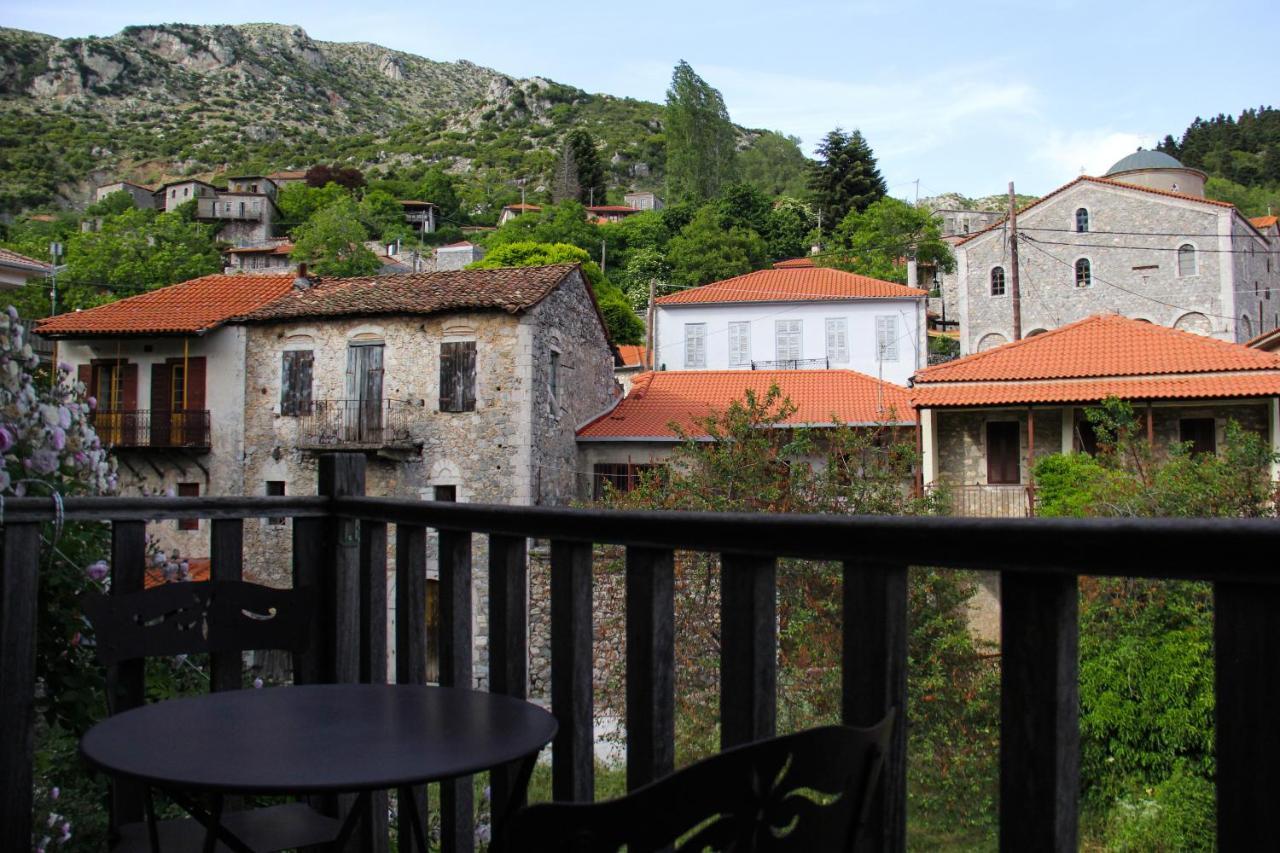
[955, 97]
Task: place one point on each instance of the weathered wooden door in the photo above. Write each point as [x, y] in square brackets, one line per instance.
[1002, 452]
[362, 415]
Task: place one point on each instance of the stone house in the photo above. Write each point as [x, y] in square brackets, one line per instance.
[1143, 242]
[271, 258]
[143, 197]
[168, 376]
[643, 201]
[455, 256]
[637, 433]
[16, 270]
[986, 418]
[246, 211]
[794, 317]
[421, 216]
[463, 385]
[174, 194]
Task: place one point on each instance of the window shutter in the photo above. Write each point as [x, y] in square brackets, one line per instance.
[160, 416]
[887, 338]
[195, 384]
[837, 340]
[739, 343]
[84, 373]
[695, 345]
[467, 377]
[447, 355]
[302, 381]
[129, 388]
[288, 381]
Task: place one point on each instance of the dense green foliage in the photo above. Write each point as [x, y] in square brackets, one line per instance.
[1241, 156]
[878, 241]
[706, 251]
[845, 177]
[331, 242]
[774, 164]
[579, 174]
[700, 139]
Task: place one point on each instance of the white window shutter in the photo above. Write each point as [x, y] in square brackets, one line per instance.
[887, 338]
[695, 345]
[837, 340]
[739, 344]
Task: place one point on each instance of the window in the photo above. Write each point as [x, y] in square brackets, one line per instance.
[295, 382]
[553, 379]
[1200, 432]
[447, 494]
[275, 489]
[1186, 259]
[997, 281]
[1082, 220]
[695, 345]
[1003, 463]
[887, 338]
[622, 477]
[837, 340]
[739, 344]
[188, 490]
[788, 343]
[1084, 273]
[458, 376]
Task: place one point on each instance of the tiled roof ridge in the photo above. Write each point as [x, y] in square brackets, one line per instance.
[19, 258]
[999, 223]
[744, 280]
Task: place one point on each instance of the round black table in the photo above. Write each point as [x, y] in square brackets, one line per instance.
[330, 738]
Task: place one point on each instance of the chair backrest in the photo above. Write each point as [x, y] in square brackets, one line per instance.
[802, 792]
[195, 617]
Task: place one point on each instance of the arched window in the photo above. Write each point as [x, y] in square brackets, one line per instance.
[997, 281]
[1084, 273]
[1186, 259]
[1082, 220]
[994, 339]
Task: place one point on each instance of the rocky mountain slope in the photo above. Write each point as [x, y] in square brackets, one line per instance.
[158, 102]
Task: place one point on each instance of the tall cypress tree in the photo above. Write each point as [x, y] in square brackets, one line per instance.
[579, 174]
[845, 177]
[564, 182]
[700, 139]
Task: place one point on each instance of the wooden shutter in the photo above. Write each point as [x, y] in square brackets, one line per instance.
[196, 372]
[129, 403]
[739, 343]
[160, 415]
[887, 338]
[84, 373]
[295, 382]
[448, 355]
[467, 376]
[458, 376]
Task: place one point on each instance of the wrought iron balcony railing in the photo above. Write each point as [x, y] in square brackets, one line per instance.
[793, 364]
[358, 424]
[122, 429]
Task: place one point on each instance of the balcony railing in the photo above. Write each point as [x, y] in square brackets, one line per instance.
[339, 541]
[359, 424]
[793, 364]
[988, 501]
[122, 429]
[210, 208]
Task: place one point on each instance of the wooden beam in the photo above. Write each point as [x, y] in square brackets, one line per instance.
[651, 714]
[126, 681]
[572, 751]
[748, 648]
[226, 563]
[411, 652]
[457, 807]
[508, 653]
[19, 579]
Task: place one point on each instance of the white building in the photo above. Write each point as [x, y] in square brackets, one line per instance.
[794, 319]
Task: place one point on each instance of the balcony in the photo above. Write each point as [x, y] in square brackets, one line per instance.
[212, 208]
[987, 501]
[1039, 560]
[793, 364]
[359, 425]
[153, 428]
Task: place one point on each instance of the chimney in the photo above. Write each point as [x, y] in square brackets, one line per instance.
[913, 276]
[302, 282]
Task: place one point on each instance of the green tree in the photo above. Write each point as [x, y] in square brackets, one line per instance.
[705, 251]
[845, 176]
[623, 325]
[579, 174]
[789, 232]
[382, 216]
[878, 241]
[775, 165]
[565, 222]
[298, 202]
[700, 139]
[441, 190]
[743, 206]
[331, 242]
[643, 265]
[117, 202]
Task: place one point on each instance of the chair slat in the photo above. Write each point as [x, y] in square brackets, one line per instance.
[19, 579]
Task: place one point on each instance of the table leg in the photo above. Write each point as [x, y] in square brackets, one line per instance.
[211, 822]
[514, 798]
[410, 805]
[153, 832]
[211, 830]
[353, 818]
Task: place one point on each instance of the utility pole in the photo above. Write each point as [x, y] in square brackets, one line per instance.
[602, 256]
[55, 252]
[1016, 293]
[648, 355]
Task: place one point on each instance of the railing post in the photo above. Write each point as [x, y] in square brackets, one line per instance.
[19, 579]
[226, 563]
[651, 726]
[748, 648]
[373, 654]
[125, 681]
[1247, 675]
[411, 653]
[874, 681]
[572, 751]
[1039, 712]
[457, 806]
[508, 652]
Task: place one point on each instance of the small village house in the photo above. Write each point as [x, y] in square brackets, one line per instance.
[271, 258]
[143, 197]
[421, 216]
[511, 211]
[643, 201]
[16, 270]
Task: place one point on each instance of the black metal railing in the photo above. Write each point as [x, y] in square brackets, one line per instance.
[338, 424]
[340, 543]
[793, 364]
[123, 429]
[987, 501]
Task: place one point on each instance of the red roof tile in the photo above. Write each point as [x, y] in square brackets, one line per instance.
[1261, 222]
[522, 206]
[13, 258]
[1203, 386]
[813, 284]
[1269, 341]
[821, 397]
[197, 570]
[1100, 346]
[632, 354]
[190, 308]
[507, 289]
[278, 249]
[793, 263]
[613, 208]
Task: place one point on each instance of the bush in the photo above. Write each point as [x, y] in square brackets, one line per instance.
[1176, 815]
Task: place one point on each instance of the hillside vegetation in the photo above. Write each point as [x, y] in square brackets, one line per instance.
[1241, 155]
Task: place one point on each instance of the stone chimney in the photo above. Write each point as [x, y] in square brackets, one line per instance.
[302, 282]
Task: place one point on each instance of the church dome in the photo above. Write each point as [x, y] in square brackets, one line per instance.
[1143, 159]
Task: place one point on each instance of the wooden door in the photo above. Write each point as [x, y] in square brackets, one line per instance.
[363, 416]
[1003, 464]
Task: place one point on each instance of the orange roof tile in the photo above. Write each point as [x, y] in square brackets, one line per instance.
[521, 206]
[1202, 386]
[190, 308]
[1269, 341]
[793, 263]
[613, 208]
[632, 354]
[812, 284]
[1103, 345]
[683, 396]
[197, 570]
[999, 223]
[278, 249]
[1261, 222]
[14, 259]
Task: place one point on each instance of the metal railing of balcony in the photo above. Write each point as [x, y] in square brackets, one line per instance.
[153, 428]
[337, 424]
[207, 208]
[793, 364]
[987, 501]
[340, 543]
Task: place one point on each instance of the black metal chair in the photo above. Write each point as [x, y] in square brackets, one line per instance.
[809, 791]
[207, 617]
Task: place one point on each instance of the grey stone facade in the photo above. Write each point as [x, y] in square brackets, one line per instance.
[1132, 248]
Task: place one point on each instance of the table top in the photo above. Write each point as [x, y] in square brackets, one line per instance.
[317, 738]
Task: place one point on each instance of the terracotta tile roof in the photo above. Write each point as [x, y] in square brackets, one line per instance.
[508, 289]
[197, 570]
[522, 207]
[613, 208]
[1261, 222]
[1103, 345]
[461, 244]
[999, 223]
[189, 308]
[813, 284]
[289, 175]
[278, 249]
[632, 354]
[684, 396]
[1269, 341]
[793, 263]
[9, 258]
[412, 203]
[1098, 357]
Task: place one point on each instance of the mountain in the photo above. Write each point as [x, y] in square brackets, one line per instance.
[158, 102]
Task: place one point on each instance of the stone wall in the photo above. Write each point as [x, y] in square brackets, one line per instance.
[1257, 275]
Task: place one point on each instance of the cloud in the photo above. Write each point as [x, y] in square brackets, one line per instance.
[1092, 151]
